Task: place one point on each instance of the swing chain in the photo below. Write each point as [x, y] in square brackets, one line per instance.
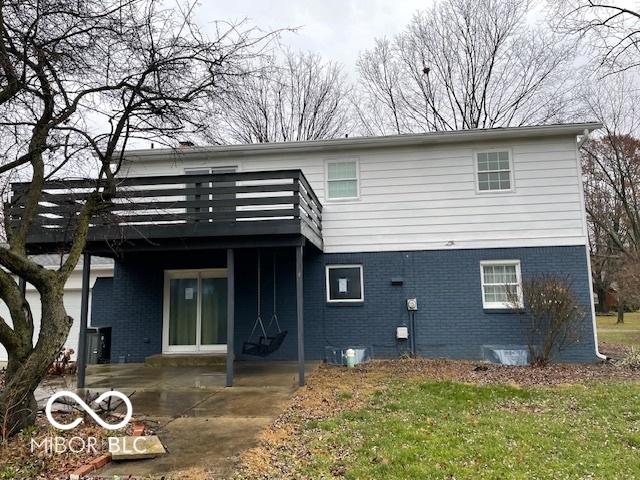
[265, 345]
[259, 317]
[274, 316]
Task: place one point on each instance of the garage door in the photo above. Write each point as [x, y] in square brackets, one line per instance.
[72, 300]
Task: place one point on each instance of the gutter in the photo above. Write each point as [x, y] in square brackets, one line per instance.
[443, 137]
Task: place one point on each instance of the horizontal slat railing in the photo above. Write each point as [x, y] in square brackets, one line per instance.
[200, 202]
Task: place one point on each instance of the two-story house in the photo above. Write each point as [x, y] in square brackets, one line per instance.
[332, 237]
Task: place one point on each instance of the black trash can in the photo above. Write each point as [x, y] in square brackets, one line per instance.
[98, 345]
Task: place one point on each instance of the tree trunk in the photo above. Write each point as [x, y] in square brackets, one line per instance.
[620, 311]
[603, 307]
[18, 406]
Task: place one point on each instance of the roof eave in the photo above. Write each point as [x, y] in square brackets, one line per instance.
[369, 142]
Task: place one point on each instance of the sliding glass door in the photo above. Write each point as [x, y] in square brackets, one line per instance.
[213, 312]
[195, 311]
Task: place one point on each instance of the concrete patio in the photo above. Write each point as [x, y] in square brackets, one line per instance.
[202, 424]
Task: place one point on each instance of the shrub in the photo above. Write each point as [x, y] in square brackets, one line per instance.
[63, 365]
[631, 359]
[551, 315]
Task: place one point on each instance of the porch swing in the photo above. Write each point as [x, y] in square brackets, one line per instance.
[266, 344]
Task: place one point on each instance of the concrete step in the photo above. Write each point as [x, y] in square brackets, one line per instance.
[194, 360]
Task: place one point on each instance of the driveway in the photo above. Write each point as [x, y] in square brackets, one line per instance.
[202, 424]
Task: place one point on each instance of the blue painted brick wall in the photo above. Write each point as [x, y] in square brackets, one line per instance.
[450, 321]
[102, 297]
[138, 283]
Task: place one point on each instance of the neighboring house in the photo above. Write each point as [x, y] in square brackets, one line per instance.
[102, 268]
[447, 218]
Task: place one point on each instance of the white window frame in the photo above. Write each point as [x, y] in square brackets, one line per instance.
[501, 305]
[326, 179]
[328, 286]
[213, 170]
[477, 172]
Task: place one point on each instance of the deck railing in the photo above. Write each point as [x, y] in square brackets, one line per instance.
[179, 205]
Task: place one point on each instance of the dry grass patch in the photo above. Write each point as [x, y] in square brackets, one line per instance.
[489, 374]
[329, 390]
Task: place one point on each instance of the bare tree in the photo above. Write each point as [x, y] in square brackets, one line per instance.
[379, 101]
[604, 256]
[627, 281]
[611, 168]
[293, 96]
[610, 28]
[465, 64]
[611, 32]
[81, 80]
[606, 213]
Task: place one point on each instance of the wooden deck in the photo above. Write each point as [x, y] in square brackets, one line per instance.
[218, 210]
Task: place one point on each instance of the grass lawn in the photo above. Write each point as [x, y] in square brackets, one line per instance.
[421, 429]
[627, 333]
[387, 423]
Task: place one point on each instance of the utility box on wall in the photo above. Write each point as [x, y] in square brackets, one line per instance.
[402, 333]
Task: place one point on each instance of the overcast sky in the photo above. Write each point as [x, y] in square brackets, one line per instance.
[336, 29]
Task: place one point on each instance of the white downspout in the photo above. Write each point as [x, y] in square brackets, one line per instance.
[585, 137]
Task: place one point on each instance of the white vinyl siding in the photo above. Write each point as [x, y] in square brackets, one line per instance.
[494, 171]
[501, 284]
[72, 303]
[426, 198]
[342, 180]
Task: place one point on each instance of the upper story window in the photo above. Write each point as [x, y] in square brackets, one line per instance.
[495, 172]
[501, 284]
[342, 180]
[205, 170]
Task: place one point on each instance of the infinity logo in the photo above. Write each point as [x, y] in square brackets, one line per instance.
[89, 410]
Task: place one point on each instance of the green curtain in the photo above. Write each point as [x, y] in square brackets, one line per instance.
[183, 311]
[214, 311]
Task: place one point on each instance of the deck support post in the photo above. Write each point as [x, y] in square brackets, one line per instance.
[84, 317]
[230, 315]
[300, 312]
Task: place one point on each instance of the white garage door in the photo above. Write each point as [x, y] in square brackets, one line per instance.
[72, 300]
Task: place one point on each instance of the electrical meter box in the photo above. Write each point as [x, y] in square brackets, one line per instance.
[402, 333]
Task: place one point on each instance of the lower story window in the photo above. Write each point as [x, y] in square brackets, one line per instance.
[344, 283]
[501, 284]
